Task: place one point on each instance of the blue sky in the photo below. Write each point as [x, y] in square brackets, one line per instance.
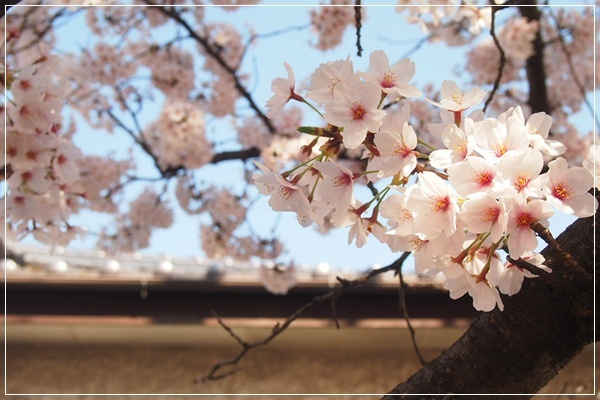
[383, 28]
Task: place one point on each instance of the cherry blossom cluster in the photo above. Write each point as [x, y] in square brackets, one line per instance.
[455, 207]
[330, 22]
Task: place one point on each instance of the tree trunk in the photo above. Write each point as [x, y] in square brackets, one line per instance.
[519, 350]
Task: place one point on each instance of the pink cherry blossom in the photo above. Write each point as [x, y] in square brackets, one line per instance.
[355, 108]
[496, 138]
[459, 145]
[285, 196]
[484, 213]
[474, 175]
[567, 189]
[538, 126]
[336, 190]
[520, 217]
[391, 79]
[522, 170]
[453, 99]
[397, 147]
[509, 277]
[278, 278]
[327, 76]
[592, 164]
[284, 91]
[435, 206]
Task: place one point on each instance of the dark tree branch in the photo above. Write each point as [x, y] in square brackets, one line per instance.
[536, 72]
[212, 52]
[358, 19]
[502, 57]
[345, 285]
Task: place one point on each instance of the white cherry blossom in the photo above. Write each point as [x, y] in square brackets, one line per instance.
[459, 145]
[520, 217]
[391, 79]
[454, 99]
[435, 206]
[336, 190]
[592, 164]
[567, 189]
[355, 108]
[484, 213]
[327, 76]
[284, 91]
[397, 147]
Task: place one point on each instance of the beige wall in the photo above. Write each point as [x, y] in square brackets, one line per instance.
[46, 358]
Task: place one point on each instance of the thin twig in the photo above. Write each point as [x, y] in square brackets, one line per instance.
[210, 50]
[215, 372]
[573, 71]
[502, 56]
[358, 19]
[402, 299]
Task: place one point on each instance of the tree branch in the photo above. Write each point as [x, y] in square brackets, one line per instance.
[536, 72]
[358, 20]
[404, 310]
[502, 57]
[332, 295]
[173, 14]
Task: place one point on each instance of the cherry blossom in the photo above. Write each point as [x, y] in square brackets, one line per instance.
[474, 175]
[509, 277]
[435, 206]
[453, 99]
[355, 108]
[520, 217]
[459, 145]
[538, 126]
[336, 190]
[327, 76]
[397, 147]
[592, 164]
[521, 170]
[284, 91]
[391, 79]
[285, 196]
[484, 213]
[567, 189]
[278, 278]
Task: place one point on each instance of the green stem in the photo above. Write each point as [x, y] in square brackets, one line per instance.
[313, 107]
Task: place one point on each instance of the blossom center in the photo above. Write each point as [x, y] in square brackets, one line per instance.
[483, 178]
[285, 192]
[358, 111]
[333, 82]
[500, 151]
[416, 243]
[524, 220]
[441, 203]
[389, 79]
[457, 97]
[522, 182]
[342, 180]
[490, 214]
[561, 191]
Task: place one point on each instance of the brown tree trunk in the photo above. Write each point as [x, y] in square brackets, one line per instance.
[519, 350]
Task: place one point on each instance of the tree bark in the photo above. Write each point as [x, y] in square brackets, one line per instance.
[536, 72]
[519, 350]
